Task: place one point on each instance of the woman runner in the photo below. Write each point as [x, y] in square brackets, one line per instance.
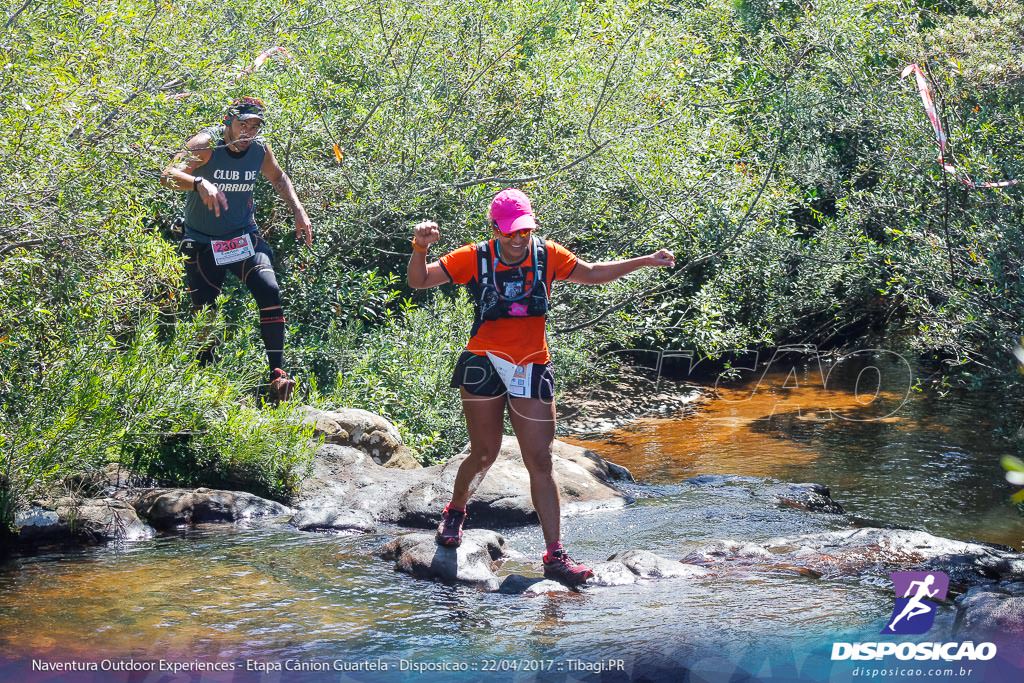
[506, 361]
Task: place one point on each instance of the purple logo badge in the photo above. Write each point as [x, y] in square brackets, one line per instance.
[914, 611]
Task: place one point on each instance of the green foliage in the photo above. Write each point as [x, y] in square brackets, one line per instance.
[133, 401]
[1015, 475]
[770, 144]
[402, 371]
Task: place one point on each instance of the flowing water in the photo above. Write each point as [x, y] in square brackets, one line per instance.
[268, 593]
[888, 450]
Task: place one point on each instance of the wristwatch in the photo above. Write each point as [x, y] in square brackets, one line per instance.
[196, 181]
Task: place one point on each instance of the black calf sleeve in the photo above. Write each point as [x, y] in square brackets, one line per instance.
[272, 332]
[205, 279]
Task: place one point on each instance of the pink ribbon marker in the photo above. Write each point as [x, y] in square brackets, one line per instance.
[925, 90]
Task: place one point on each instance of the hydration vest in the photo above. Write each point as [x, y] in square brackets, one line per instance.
[494, 299]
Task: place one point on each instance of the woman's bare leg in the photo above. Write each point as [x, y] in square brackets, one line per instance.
[485, 421]
[533, 420]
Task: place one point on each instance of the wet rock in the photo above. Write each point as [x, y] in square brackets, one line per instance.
[711, 480]
[991, 612]
[474, 562]
[89, 519]
[168, 508]
[517, 584]
[867, 553]
[646, 565]
[366, 431]
[810, 497]
[868, 522]
[611, 574]
[347, 477]
[333, 519]
[726, 550]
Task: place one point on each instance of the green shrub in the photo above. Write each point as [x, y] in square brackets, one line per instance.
[145, 403]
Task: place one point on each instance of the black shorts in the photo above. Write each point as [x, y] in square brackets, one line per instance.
[478, 376]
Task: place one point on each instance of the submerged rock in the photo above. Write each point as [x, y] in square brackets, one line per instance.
[348, 477]
[808, 496]
[168, 508]
[867, 553]
[474, 562]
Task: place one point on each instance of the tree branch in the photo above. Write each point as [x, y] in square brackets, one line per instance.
[7, 248]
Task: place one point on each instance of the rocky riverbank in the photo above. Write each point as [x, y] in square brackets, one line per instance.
[362, 482]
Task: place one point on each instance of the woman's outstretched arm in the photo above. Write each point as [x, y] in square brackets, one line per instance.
[607, 271]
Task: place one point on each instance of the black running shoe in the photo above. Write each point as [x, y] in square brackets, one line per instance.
[449, 531]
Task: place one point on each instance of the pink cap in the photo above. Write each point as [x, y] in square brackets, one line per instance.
[512, 211]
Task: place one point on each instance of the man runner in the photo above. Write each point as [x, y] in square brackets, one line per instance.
[218, 170]
[506, 361]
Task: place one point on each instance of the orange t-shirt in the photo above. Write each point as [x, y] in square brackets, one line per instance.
[520, 340]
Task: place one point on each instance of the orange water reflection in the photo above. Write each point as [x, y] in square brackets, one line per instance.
[754, 429]
[181, 606]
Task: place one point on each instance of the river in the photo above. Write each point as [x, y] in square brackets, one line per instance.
[263, 594]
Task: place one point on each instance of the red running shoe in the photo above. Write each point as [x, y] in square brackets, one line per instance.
[449, 531]
[562, 568]
[281, 385]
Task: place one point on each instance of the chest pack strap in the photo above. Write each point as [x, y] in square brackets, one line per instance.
[486, 262]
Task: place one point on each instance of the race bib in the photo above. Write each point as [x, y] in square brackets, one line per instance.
[519, 385]
[516, 378]
[232, 251]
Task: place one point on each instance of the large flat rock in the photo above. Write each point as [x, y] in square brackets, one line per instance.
[347, 477]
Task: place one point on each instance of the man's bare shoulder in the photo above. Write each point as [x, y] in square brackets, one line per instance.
[201, 141]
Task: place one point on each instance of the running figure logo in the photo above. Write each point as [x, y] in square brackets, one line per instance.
[915, 610]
